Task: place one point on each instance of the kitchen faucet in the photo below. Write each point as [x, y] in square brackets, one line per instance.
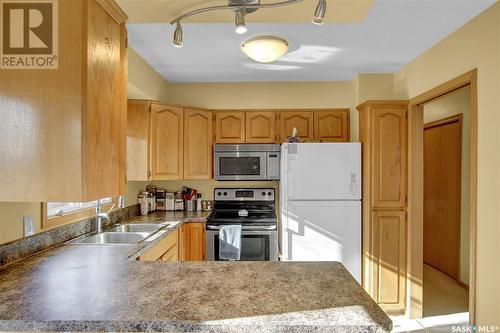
[101, 216]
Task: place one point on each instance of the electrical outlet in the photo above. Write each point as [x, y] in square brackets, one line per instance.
[29, 227]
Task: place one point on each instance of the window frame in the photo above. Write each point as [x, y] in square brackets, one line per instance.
[75, 216]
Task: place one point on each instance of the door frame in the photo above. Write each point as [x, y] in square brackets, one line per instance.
[438, 123]
[416, 191]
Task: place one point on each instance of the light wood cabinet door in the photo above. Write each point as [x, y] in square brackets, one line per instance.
[198, 136]
[260, 126]
[138, 140]
[302, 120]
[229, 127]
[331, 125]
[388, 241]
[192, 241]
[62, 131]
[167, 142]
[166, 249]
[389, 158]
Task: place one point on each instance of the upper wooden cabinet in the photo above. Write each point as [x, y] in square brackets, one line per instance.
[303, 121]
[167, 142]
[389, 158]
[229, 127]
[192, 241]
[260, 127]
[138, 139]
[62, 131]
[198, 138]
[331, 125]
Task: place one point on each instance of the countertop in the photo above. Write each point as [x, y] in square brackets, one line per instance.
[99, 288]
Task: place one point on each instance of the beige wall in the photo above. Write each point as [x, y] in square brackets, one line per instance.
[452, 104]
[11, 219]
[475, 45]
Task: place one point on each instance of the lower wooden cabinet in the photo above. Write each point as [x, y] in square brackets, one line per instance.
[388, 241]
[192, 241]
[165, 250]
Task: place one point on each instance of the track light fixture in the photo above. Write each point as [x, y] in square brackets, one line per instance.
[319, 13]
[241, 8]
[178, 36]
[239, 19]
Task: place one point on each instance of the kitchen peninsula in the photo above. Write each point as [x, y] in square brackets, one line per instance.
[103, 288]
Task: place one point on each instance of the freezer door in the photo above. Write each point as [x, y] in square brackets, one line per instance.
[322, 231]
[321, 171]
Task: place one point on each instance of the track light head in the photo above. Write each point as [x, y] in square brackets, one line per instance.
[178, 40]
[239, 20]
[319, 13]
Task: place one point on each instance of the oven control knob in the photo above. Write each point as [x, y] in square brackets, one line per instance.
[219, 194]
[225, 193]
[269, 193]
[263, 194]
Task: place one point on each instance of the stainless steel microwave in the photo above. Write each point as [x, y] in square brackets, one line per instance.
[247, 162]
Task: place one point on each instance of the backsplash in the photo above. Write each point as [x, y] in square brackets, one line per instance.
[28, 246]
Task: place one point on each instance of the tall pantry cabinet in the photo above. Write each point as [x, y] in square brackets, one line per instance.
[62, 131]
[383, 134]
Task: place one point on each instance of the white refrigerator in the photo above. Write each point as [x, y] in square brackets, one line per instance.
[320, 199]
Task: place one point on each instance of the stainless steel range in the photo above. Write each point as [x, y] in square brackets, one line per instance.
[254, 210]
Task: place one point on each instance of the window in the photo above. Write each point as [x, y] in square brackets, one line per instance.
[59, 213]
[63, 208]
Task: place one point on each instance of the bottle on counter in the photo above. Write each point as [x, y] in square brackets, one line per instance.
[143, 202]
[198, 202]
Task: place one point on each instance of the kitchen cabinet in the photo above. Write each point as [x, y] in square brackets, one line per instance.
[165, 250]
[383, 134]
[192, 241]
[260, 127]
[331, 125]
[230, 127]
[198, 138]
[303, 121]
[62, 131]
[167, 142]
[138, 139]
[388, 245]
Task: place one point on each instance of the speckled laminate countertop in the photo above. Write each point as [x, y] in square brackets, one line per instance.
[98, 288]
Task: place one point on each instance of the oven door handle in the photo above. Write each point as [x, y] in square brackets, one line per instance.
[244, 228]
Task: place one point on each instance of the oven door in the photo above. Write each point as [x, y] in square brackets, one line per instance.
[240, 165]
[256, 245]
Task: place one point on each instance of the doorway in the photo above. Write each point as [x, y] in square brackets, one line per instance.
[446, 218]
[460, 273]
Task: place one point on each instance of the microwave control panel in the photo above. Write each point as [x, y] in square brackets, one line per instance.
[273, 165]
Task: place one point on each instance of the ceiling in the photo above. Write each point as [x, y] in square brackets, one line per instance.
[165, 11]
[392, 33]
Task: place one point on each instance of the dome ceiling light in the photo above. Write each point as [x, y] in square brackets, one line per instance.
[241, 8]
[265, 49]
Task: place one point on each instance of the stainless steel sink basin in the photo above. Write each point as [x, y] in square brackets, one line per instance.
[118, 238]
[149, 228]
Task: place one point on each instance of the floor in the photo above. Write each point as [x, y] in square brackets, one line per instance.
[445, 306]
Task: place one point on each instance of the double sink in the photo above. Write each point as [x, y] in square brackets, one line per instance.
[124, 234]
